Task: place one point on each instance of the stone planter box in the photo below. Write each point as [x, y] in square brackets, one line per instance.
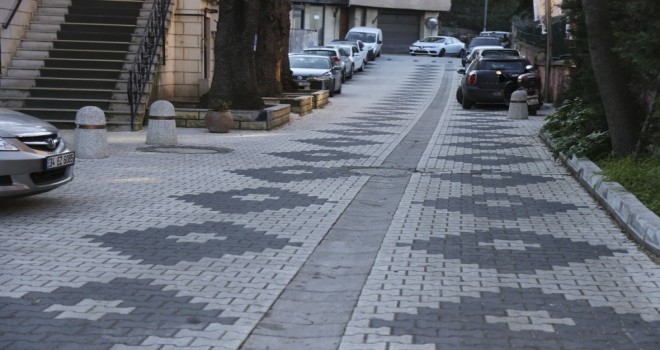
[320, 98]
[301, 104]
[266, 119]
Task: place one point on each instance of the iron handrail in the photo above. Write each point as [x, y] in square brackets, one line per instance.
[11, 15]
[138, 75]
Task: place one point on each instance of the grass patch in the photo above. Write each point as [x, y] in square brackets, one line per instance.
[641, 178]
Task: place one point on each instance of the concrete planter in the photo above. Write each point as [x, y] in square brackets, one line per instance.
[266, 119]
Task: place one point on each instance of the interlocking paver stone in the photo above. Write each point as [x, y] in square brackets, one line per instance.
[389, 219]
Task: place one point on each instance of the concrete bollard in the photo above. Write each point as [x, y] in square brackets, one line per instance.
[90, 136]
[162, 126]
[518, 105]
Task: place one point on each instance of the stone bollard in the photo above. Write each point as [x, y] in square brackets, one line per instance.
[518, 105]
[90, 136]
[162, 126]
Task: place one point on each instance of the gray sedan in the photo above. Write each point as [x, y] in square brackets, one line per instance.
[33, 156]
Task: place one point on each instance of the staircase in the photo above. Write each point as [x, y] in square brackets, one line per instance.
[77, 53]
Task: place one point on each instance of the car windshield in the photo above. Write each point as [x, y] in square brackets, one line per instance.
[364, 37]
[484, 42]
[309, 62]
[433, 40]
[502, 65]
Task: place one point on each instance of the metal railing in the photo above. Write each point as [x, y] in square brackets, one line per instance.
[140, 72]
[11, 15]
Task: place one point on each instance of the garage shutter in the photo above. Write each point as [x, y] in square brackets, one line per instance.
[400, 29]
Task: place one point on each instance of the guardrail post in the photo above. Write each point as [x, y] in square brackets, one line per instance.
[518, 105]
[90, 136]
[162, 126]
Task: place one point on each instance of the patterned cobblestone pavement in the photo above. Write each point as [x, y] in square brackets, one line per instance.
[483, 242]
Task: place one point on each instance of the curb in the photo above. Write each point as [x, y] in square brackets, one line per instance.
[642, 224]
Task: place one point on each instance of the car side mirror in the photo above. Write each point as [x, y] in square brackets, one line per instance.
[529, 68]
[460, 71]
[336, 67]
[380, 41]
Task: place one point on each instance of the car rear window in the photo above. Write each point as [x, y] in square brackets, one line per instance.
[309, 62]
[484, 42]
[321, 52]
[499, 53]
[502, 65]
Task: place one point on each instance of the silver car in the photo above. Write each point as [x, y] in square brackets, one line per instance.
[33, 156]
[311, 70]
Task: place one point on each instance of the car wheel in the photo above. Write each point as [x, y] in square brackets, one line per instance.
[461, 53]
[361, 69]
[343, 77]
[338, 90]
[532, 110]
[441, 53]
[467, 104]
[459, 95]
[352, 72]
[412, 54]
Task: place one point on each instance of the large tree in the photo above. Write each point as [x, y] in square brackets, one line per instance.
[251, 51]
[622, 120]
[234, 77]
[272, 54]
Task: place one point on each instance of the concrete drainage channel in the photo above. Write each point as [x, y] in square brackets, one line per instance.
[185, 149]
[384, 172]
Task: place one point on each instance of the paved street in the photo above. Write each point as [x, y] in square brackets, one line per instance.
[390, 219]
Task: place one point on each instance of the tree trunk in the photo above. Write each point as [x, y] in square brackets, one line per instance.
[272, 56]
[234, 77]
[622, 120]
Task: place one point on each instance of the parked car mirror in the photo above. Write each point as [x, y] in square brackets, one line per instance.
[460, 71]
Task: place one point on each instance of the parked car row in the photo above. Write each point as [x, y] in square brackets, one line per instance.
[327, 67]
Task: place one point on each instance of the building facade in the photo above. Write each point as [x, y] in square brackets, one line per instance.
[188, 63]
[402, 21]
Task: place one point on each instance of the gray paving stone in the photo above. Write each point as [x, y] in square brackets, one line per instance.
[390, 219]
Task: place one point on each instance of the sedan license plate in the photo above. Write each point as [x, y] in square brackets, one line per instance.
[60, 160]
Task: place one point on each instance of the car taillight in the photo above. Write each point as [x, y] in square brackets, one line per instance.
[335, 58]
[472, 79]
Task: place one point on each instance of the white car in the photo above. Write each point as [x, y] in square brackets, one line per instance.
[361, 51]
[371, 37]
[491, 50]
[356, 58]
[438, 46]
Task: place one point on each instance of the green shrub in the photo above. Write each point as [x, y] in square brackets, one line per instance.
[577, 129]
[641, 178]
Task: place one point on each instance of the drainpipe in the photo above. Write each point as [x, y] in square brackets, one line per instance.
[548, 50]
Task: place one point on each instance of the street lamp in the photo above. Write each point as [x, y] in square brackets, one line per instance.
[485, 13]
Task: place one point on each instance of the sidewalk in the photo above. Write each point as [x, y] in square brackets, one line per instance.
[390, 219]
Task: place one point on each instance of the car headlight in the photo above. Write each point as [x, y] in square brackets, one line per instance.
[6, 146]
